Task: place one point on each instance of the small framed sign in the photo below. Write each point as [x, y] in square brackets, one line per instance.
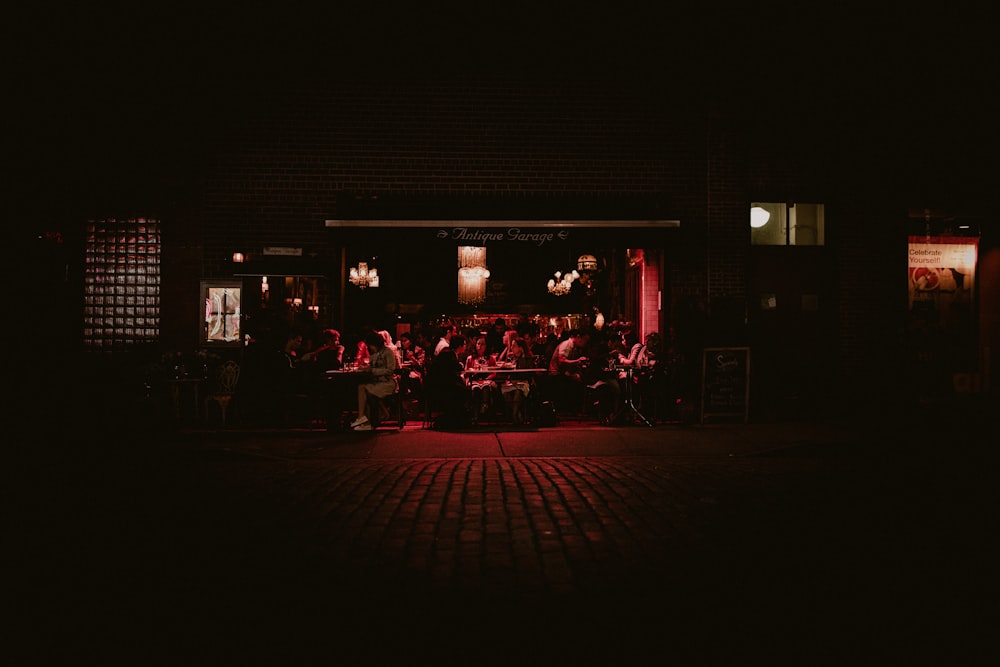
[725, 382]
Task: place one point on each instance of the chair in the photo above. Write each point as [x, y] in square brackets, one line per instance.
[393, 402]
[223, 392]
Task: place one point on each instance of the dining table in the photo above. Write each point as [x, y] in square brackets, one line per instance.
[186, 386]
[628, 393]
[503, 370]
[503, 373]
[341, 393]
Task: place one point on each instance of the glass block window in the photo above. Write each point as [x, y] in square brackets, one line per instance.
[121, 283]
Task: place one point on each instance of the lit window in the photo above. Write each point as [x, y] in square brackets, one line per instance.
[221, 315]
[777, 223]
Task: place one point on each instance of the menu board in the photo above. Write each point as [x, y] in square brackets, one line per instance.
[725, 382]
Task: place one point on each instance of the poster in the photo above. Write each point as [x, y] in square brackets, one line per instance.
[941, 290]
[942, 272]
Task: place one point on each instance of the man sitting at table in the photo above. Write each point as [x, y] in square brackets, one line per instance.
[414, 365]
[447, 390]
[571, 374]
[382, 367]
[495, 339]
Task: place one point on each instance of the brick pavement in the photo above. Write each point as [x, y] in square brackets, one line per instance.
[280, 545]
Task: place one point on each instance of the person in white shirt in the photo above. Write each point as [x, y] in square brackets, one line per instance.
[447, 331]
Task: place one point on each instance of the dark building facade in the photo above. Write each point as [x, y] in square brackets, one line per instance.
[307, 183]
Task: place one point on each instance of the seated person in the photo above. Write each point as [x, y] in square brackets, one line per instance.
[446, 389]
[482, 384]
[413, 365]
[631, 348]
[570, 366]
[568, 360]
[362, 354]
[447, 331]
[508, 336]
[382, 366]
[330, 354]
[515, 389]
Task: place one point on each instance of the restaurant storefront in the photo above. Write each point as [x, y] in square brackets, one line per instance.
[431, 270]
[515, 189]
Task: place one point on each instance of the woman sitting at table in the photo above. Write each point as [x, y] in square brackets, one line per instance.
[508, 336]
[387, 337]
[515, 389]
[382, 368]
[630, 350]
[482, 384]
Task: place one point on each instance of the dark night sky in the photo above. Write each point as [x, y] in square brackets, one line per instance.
[914, 90]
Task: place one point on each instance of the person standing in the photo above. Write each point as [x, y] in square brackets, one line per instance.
[495, 342]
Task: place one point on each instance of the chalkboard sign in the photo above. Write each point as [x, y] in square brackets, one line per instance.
[725, 382]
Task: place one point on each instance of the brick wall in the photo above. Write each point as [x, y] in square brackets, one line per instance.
[314, 153]
[291, 164]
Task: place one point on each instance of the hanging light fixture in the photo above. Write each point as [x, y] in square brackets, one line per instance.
[562, 283]
[587, 268]
[472, 274]
[363, 276]
[586, 263]
[759, 217]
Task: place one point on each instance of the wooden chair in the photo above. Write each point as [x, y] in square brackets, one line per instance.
[224, 390]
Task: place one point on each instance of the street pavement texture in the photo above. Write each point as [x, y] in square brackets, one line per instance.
[683, 544]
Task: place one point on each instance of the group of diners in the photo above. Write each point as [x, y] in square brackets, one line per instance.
[465, 376]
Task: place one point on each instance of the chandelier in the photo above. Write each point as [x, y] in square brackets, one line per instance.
[363, 277]
[562, 283]
[472, 275]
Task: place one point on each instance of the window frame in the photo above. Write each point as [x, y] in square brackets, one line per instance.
[227, 315]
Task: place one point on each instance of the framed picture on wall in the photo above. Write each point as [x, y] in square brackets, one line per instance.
[220, 313]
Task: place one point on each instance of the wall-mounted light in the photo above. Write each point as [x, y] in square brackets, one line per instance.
[759, 217]
[237, 258]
